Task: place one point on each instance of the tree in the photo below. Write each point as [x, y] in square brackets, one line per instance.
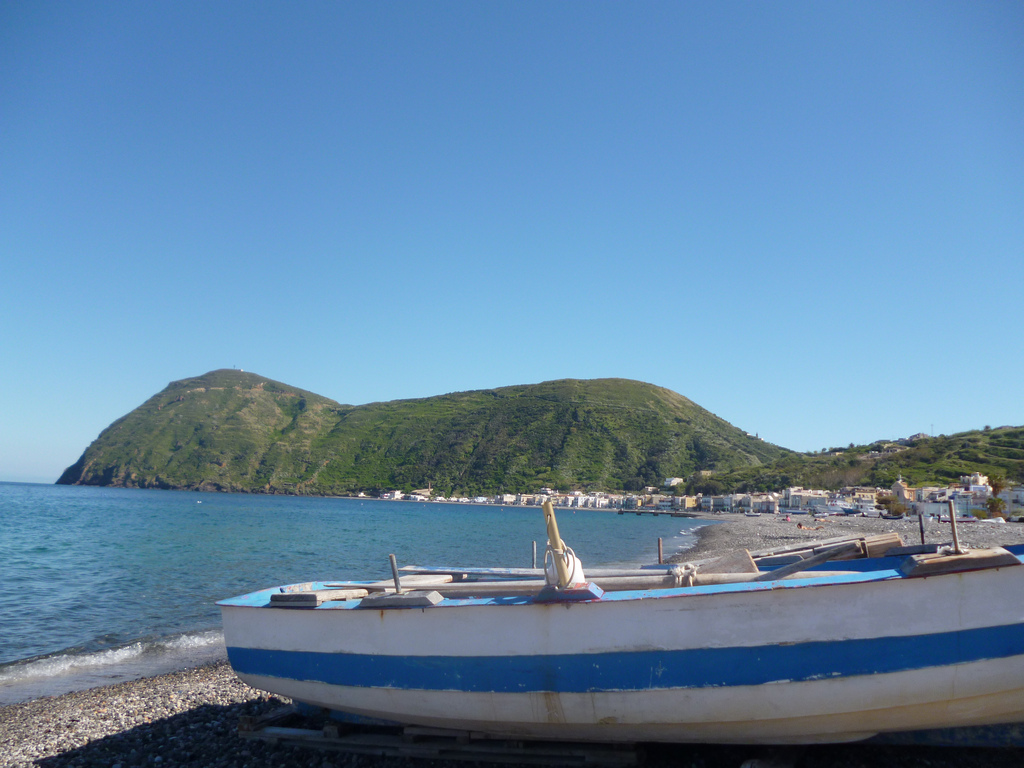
[892, 505]
[997, 484]
[995, 506]
[707, 486]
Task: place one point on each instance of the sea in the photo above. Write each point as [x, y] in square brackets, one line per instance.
[103, 585]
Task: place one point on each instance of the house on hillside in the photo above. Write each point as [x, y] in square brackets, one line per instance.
[931, 493]
[1014, 498]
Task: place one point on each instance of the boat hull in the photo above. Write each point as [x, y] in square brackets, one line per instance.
[805, 661]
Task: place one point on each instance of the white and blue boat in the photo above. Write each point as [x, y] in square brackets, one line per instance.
[887, 645]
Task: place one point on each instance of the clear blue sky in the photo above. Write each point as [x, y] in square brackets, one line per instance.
[806, 217]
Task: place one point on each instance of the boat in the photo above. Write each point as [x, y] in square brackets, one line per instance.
[866, 508]
[842, 645]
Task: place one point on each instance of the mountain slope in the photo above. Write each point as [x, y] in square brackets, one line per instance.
[229, 430]
[931, 461]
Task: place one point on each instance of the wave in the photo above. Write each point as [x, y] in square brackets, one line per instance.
[70, 670]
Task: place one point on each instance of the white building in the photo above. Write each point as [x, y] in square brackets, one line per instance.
[804, 499]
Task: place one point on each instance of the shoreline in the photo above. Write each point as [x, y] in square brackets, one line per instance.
[190, 717]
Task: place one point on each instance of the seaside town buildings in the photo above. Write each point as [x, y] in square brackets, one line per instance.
[969, 496]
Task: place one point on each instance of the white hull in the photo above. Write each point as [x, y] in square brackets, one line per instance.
[815, 660]
[797, 713]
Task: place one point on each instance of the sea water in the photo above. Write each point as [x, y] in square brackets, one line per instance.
[102, 585]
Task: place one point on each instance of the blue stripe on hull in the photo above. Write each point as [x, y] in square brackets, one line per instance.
[639, 670]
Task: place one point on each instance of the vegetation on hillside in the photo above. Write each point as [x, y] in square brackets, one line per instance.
[939, 461]
[229, 430]
[235, 431]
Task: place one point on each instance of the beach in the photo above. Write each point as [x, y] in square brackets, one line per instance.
[190, 718]
[776, 531]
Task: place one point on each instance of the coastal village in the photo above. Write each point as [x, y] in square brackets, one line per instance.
[971, 496]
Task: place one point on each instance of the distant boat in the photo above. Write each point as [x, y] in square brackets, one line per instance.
[667, 653]
[841, 508]
[866, 508]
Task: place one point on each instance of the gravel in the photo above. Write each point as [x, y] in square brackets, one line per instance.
[777, 531]
[190, 718]
[183, 718]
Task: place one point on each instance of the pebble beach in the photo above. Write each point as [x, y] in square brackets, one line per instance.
[768, 532]
[190, 718]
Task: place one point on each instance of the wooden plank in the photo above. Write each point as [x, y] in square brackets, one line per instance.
[313, 598]
[498, 573]
[974, 560]
[304, 587]
[875, 545]
[780, 559]
[528, 573]
[415, 580]
[705, 579]
[879, 545]
[441, 744]
[465, 589]
[739, 561]
[833, 553]
[414, 599]
[802, 545]
[915, 549]
[388, 585]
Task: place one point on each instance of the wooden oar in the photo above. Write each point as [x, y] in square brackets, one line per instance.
[527, 573]
[833, 553]
[613, 584]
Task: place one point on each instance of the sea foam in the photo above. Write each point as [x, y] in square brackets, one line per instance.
[62, 672]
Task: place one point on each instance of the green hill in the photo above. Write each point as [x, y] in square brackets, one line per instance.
[234, 431]
[936, 461]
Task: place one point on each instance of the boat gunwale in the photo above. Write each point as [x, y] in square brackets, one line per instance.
[865, 570]
[261, 598]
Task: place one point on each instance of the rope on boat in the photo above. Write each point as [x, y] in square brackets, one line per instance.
[683, 574]
[557, 549]
[570, 565]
